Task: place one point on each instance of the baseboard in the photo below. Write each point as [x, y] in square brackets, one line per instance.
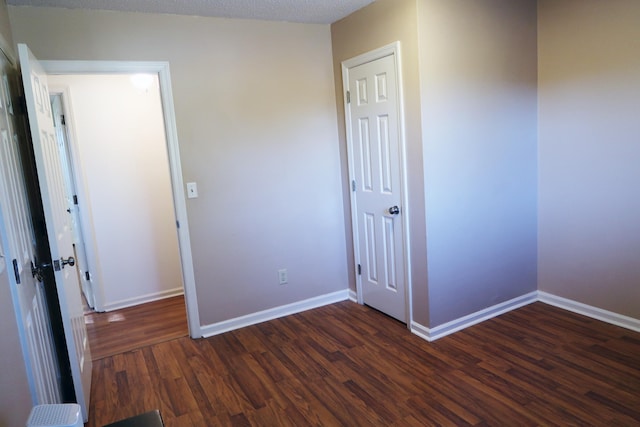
[421, 331]
[273, 313]
[353, 295]
[590, 311]
[156, 296]
[432, 334]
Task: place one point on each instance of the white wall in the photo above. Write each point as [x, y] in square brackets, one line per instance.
[255, 111]
[589, 208]
[118, 134]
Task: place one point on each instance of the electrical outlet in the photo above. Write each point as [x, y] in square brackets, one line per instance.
[283, 277]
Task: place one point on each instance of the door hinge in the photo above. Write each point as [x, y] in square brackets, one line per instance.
[348, 97]
[62, 120]
[87, 276]
[359, 269]
[16, 271]
[75, 199]
[353, 185]
[178, 224]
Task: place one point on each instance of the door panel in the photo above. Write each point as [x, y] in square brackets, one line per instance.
[27, 294]
[59, 233]
[374, 134]
[82, 260]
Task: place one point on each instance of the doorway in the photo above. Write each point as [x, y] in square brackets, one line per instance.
[119, 171]
[111, 133]
[376, 150]
[58, 71]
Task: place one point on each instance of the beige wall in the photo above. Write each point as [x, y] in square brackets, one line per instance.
[381, 23]
[589, 145]
[255, 113]
[118, 132]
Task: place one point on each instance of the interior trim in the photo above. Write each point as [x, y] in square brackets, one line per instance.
[156, 296]
[590, 311]
[274, 313]
[432, 334]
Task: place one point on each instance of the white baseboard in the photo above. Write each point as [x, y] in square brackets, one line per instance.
[130, 302]
[590, 311]
[432, 334]
[273, 313]
[429, 334]
[421, 331]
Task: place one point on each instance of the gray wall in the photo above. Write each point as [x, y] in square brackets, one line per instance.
[478, 93]
[255, 113]
[589, 208]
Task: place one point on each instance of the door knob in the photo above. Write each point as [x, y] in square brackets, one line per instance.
[71, 261]
[37, 270]
[394, 210]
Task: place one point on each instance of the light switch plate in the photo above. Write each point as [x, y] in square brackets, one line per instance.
[192, 190]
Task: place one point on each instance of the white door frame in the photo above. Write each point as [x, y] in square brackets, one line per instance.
[162, 69]
[392, 49]
[85, 255]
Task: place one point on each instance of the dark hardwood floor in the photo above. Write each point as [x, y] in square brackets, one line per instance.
[349, 365]
[134, 327]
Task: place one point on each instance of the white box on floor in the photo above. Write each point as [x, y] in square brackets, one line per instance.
[57, 415]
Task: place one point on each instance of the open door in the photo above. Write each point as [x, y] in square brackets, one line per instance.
[82, 260]
[58, 222]
[27, 295]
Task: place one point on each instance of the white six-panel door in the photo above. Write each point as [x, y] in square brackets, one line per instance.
[374, 142]
[58, 221]
[27, 294]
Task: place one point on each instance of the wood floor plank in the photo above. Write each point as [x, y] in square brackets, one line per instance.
[349, 365]
[135, 327]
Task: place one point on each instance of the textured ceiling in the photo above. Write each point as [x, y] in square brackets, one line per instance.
[306, 11]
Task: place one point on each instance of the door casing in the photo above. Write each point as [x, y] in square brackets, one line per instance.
[392, 49]
[160, 68]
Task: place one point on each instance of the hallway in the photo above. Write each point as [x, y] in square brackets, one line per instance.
[135, 327]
